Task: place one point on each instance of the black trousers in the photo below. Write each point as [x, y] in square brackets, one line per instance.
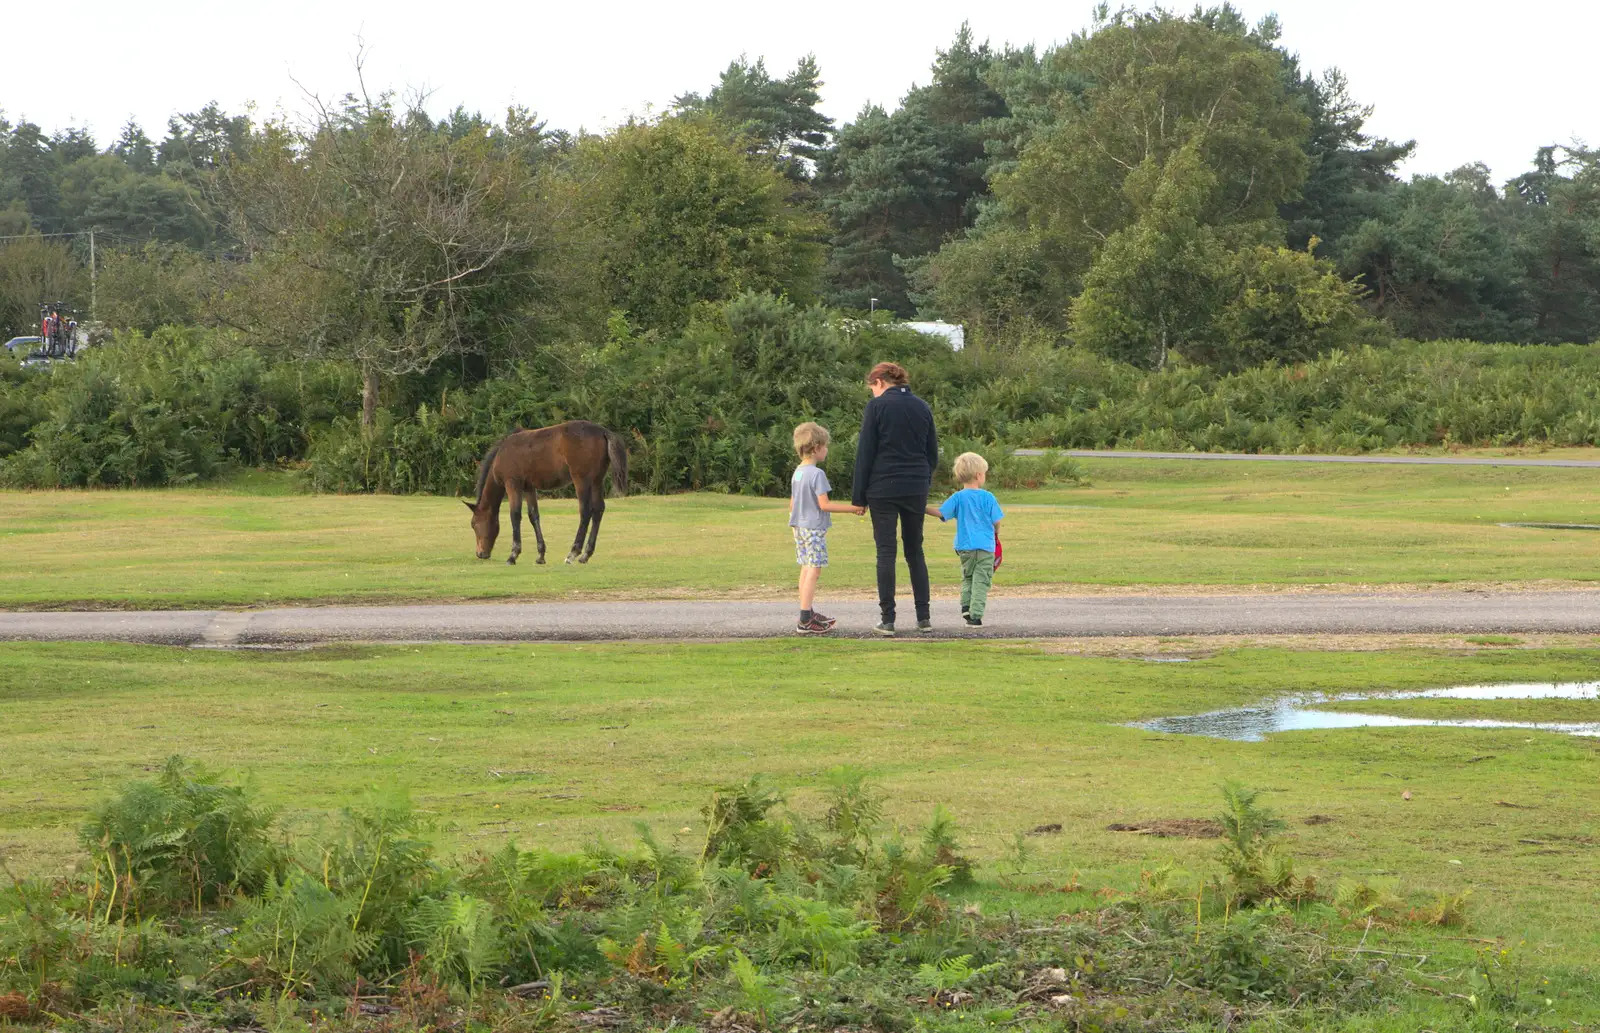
[908, 513]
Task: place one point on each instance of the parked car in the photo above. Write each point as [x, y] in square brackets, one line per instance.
[23, 345]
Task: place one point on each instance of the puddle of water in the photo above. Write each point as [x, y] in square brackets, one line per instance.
[1252, 724]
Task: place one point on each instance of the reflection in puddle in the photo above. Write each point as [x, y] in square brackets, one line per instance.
[1251, 724]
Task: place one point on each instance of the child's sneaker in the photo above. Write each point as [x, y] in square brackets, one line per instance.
[885, 628]
[823, 620]
[925, 626]
[973, 622]
[813, 627]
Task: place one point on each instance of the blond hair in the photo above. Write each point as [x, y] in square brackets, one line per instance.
[809, 437]
[968, 466]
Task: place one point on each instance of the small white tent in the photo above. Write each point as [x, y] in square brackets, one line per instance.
[955, 333]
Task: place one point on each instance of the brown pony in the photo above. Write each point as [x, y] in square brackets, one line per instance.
[576, 453]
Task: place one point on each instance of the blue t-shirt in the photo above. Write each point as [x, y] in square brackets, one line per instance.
[975, 512]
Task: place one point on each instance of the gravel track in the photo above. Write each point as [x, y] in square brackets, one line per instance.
[1442, 612]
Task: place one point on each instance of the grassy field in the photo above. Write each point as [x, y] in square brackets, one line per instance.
[556, 745]
[1138, 522]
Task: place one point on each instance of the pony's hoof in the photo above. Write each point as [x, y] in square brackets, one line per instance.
[511, 561]
[540, 561]
[570, 557]
[584, 558]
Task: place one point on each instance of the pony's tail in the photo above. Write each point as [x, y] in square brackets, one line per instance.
[619, 461]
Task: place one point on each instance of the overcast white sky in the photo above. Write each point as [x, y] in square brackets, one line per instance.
[1470, 80]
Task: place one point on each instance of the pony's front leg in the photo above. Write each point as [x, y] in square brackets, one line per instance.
[516, 527]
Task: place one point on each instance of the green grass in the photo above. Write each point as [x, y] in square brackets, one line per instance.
[1139, 522]
[554, 745]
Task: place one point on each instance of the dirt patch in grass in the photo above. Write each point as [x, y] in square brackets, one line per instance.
[1171, 828]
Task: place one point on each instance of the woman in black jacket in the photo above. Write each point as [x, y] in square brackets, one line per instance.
[895, 459]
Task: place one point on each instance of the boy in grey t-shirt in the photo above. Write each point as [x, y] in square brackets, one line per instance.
[808, 516]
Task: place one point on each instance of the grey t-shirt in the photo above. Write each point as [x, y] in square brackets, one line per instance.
[807, 483]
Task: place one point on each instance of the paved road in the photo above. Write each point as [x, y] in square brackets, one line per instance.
[1078, 453]
[1262, 614]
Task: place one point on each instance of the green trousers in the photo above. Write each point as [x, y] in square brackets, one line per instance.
[977, 574]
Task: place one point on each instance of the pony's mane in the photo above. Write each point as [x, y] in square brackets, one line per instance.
[483, 468]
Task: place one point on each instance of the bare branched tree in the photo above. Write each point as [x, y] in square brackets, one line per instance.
[379, 236]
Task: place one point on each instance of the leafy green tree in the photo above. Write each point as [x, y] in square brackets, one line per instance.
[1158, 284]
[1349, 174]
[14, 219]
[1555, 212]
[896, 186]
[997, 280]
[35, 270]
[136, 150]
[1161, 84]
[1439, 260]
[28, 174]
[150, 208]
[1103, 115]
[1348, 171]
[892, 192]
[1285, 305]
[778, 116]
[1171, 283]
[685, 216]
[201, 141]
[73, 144]
[159, 284]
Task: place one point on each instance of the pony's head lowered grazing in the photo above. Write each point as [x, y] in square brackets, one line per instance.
[485, 512]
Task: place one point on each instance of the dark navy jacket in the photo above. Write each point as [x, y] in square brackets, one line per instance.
[898, 449]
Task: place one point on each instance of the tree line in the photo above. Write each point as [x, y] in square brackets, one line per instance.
[1159, 185]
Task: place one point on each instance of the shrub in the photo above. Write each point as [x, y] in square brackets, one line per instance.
[175, 407]
[845, 926]
[182, 841]
[1255, 869]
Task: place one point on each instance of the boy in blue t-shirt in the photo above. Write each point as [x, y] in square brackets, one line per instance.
[976, 512]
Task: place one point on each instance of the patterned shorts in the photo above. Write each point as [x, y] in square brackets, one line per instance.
[810, 546]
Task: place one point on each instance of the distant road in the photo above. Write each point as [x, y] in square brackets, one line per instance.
[1442, 612]
[1081, 453]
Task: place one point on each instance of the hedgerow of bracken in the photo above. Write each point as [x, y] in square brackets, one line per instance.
[712, 408]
